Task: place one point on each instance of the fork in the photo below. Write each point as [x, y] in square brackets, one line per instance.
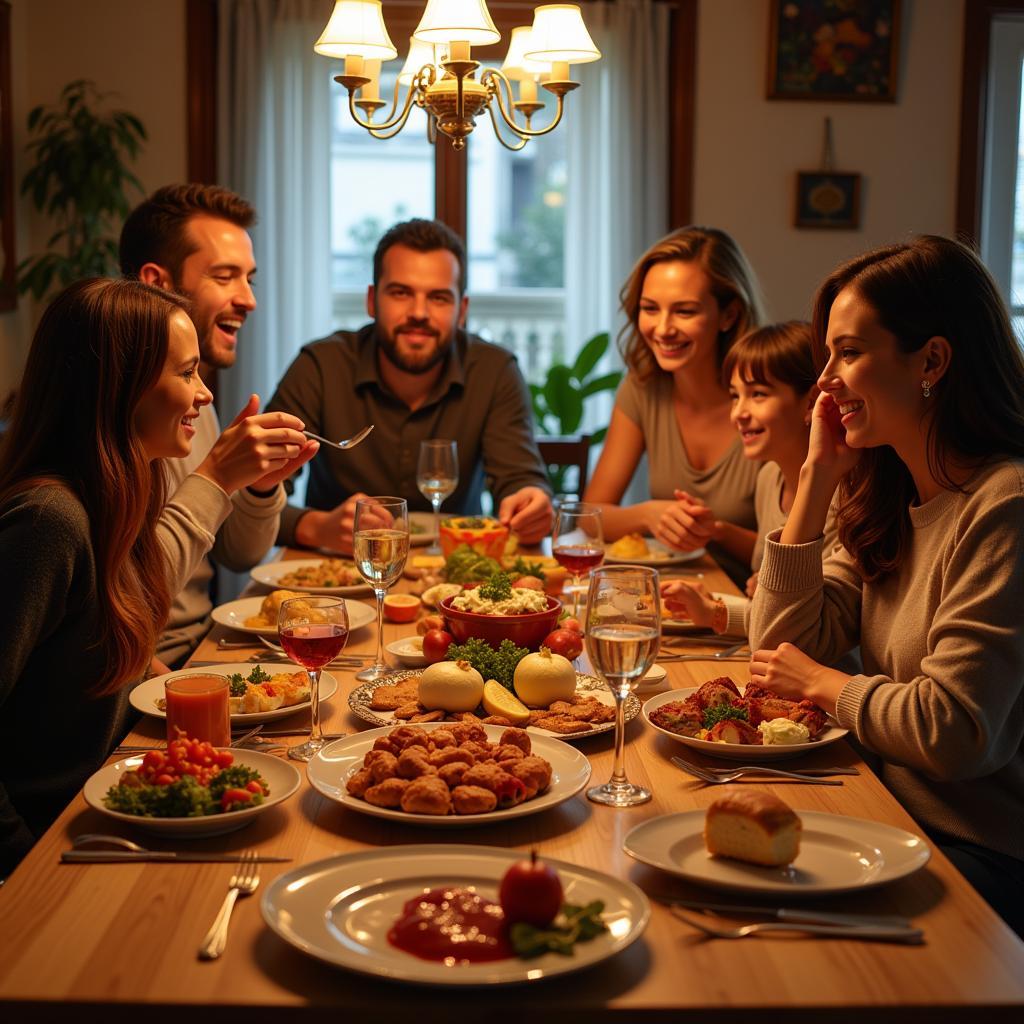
[342, 446]
[885, 933]
[764, 769]
[719, 777]
[243, 883]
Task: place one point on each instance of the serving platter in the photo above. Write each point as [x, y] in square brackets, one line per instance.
[837, 854]
[339, 911]
[359, 701]
[269, 575]
[234, 613]
[329, 771]
[750, 752]
[144, 697]
[280, 775]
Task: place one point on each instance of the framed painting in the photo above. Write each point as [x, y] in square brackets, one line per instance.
[8, 286]
[834, 50]
[827, 199]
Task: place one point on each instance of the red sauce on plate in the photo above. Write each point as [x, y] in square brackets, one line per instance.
[451, 925]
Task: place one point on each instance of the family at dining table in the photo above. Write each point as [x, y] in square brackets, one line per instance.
[864, 471]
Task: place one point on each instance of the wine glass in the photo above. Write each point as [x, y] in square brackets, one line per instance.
[577, 542]
[623, 631]
[437, 476]
[313, 632]
[380, 547]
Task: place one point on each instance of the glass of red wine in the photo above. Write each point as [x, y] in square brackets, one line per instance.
[577, 542]
[313, 632]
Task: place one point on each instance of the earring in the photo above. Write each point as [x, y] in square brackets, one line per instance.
[926, 389]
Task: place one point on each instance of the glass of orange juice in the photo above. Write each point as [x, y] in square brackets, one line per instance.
[197, 705]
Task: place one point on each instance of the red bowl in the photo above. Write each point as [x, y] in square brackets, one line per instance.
[523, 630]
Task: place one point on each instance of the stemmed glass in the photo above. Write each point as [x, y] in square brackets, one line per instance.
[380, 547]
[577, 542]
[437, 476]
[313, 632]
[623, 632]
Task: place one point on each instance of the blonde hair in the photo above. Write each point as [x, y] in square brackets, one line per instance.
[732, 281]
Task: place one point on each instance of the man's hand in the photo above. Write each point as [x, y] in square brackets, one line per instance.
[790, 673]
[257, 450]
[527, 513]
[685, 524]
[329, 530]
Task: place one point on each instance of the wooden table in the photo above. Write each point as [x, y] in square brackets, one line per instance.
[112, 941]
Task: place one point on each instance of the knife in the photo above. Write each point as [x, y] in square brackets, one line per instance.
[190, 857]
[785, 914]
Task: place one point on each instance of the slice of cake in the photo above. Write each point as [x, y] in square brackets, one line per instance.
[755, 827]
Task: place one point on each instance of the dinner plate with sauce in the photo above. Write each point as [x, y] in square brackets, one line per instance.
[340, 911]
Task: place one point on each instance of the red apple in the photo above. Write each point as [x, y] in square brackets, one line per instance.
[566, 642]
[531, 891]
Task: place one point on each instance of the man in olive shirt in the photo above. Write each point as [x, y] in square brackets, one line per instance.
[414, 374]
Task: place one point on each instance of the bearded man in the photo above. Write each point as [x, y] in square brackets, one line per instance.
[415, 374]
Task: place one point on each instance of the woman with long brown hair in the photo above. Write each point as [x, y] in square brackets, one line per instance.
[689, 297]
[920, 428]
[111, 386]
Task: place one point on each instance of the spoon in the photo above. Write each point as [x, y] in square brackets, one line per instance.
[342, 446]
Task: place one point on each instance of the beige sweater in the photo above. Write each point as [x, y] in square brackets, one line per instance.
[942, 696]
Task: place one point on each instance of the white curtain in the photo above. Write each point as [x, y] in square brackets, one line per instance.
[274, 127]
[617, 202]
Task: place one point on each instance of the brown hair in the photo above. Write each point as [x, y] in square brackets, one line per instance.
[156, 230]
[931, 287]
[422, 236]
[100, 346]
[732, 280]
[776, 352]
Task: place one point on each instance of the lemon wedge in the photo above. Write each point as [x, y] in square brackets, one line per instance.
[499, 701]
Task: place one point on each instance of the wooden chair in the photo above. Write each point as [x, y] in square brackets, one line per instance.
[567, 452]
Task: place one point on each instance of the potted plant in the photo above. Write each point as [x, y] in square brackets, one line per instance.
[558, 403]
[79, 179]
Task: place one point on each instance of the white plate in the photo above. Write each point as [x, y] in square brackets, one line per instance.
[282, 778]
[654, 680]
[837, 854]
[424, 520]
[329, 771]
[659, 554]
[359, 701]
[409, 651]
[270, 575]
[750, 752]
[339, 911]
[234, 613]
[144, 697]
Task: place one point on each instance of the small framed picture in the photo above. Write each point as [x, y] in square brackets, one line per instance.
[827, 199]
[833, 50]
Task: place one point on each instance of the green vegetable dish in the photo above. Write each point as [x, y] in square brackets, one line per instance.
[497, 664]
[721, 712]
[464, 565]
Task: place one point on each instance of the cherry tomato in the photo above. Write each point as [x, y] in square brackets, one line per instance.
[231, 797]
[436, 644]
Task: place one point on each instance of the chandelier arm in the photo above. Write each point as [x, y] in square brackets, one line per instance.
[384, 126]
[527, 133]
[497, 132]
[382, 133]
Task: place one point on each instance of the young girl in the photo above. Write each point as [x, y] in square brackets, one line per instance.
[688, 299]
[772, 384]
[920, 427]
[111, 385]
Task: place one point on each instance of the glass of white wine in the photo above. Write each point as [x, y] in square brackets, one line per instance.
[380, 548]
[623, 634]
[437, 476]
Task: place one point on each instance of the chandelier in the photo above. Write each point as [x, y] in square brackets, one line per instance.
[440, 75]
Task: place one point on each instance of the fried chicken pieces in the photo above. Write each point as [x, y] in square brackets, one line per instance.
[686, 717]
[450, 770]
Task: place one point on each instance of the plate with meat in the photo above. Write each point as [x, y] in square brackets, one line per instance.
[448, 774]
[754, 724]
[335, 576]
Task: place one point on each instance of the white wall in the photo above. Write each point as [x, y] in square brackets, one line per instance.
[748, 149]
[134, 48]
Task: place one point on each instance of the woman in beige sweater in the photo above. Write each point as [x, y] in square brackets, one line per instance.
[920, 427]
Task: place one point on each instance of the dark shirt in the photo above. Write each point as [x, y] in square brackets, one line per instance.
[480, 400]
[53, 735]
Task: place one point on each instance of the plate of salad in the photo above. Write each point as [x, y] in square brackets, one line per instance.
[176, 792]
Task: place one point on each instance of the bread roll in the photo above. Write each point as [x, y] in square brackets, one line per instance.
[754, 827]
